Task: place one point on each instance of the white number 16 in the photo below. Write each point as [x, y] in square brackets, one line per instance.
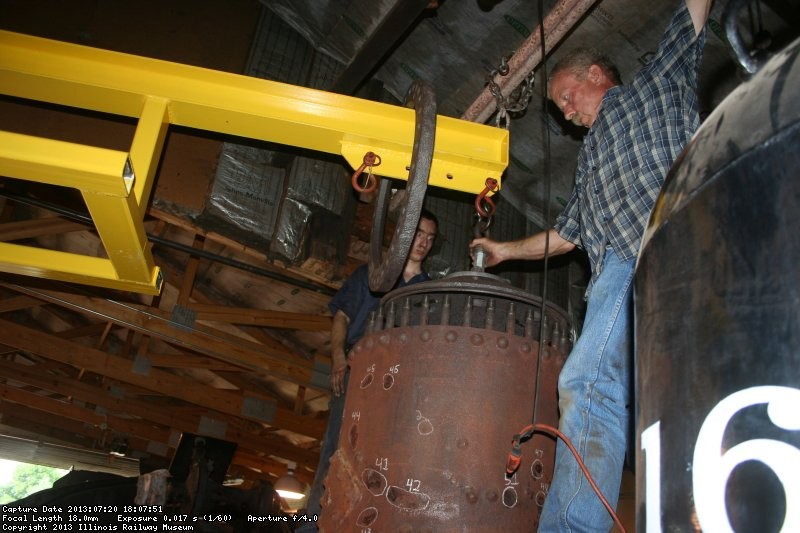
[710, 469]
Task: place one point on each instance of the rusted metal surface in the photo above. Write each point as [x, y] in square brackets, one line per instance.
[383, 273]
[558, 22]
[438, 387]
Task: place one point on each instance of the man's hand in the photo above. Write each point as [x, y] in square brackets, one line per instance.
[532, 247]
[338, 357]
[490, 248]
[337, 372]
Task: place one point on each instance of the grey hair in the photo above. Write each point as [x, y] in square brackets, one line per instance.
[578, 61]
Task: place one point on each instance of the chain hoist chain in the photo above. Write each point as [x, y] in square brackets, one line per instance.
[517, 101]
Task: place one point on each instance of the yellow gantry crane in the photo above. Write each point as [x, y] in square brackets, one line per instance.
[116, 185]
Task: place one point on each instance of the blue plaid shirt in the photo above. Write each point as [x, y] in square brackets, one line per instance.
[639, 131]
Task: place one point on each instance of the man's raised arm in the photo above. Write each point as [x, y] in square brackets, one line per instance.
[698, 10]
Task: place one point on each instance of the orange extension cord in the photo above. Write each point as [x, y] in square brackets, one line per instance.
[515, 458]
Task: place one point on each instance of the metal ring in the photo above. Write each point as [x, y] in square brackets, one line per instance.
[383, 272]
[750, 63]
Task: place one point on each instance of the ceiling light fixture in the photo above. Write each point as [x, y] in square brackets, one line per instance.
[119, 447]
[288, 486]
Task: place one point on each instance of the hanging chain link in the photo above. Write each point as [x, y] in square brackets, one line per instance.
[516, 102]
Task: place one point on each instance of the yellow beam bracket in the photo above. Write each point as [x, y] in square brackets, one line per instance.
[96, 170]
[160, 93]
[106, 180]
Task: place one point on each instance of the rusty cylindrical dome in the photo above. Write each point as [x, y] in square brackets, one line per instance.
[444, 378]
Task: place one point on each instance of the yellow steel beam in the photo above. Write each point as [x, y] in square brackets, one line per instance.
[106, 181]
[465, 153]
[123, 236]
[148, 142]
[116, 185]
[97, 170]
[65, 266]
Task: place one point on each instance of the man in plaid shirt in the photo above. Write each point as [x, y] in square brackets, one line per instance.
[635, 133]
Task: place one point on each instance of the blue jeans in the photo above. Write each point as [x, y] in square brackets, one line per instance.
[594, 396]
[330, 441]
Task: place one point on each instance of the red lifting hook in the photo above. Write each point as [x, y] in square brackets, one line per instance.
[370, 160]
[491, 185]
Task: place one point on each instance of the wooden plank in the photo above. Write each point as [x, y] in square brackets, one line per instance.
[178, 419]
[50, 428]
[190, 361]
[30, 229]
[82, 331]
[264, 360]
[301, 274]
[156, 380]
[16, 303]
[264, 337]
[266, 464]
[82, 414]
[85, 436]
[299, 400]
[103, 336]
[258, 334]
[262, 317]
[82, 435]
[190, 273]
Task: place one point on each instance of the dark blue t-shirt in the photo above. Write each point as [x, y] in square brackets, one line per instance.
[356, 300]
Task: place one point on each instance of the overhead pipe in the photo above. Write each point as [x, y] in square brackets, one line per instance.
[560, 20]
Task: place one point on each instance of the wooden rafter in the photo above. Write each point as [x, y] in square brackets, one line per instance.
[262, 317]
[15, 303]
[119, 400]
[77, 433]
[82, 414]
[29, 229]
[245, 405]
[203, 339]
